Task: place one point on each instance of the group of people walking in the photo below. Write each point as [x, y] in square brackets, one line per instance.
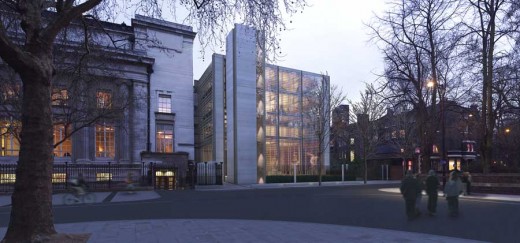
[412, 188]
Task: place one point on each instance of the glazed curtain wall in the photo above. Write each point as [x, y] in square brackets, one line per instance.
[289, 141]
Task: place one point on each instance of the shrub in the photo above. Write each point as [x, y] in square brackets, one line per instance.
[306, 178]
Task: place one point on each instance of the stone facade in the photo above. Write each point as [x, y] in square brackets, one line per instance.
[154, 59]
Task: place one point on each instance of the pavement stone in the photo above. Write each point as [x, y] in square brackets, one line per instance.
[227, 230]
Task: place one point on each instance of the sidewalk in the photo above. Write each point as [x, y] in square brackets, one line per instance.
[496, 197]
[216, 230]
[57, 199]
[229, 186]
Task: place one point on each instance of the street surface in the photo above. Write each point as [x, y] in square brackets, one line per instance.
[366, 206]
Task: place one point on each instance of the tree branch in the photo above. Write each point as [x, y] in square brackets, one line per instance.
[65, 17]
[9, 52]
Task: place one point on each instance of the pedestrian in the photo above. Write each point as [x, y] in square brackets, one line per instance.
[468, 183]
[432, 185]
[409, 188]
[420, 187]
[464, 180]
[130, 183]
[452, 190]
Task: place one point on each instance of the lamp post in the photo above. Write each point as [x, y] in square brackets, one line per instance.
[442, 93]
[404, 165]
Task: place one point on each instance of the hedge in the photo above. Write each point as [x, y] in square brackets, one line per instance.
[306, 178]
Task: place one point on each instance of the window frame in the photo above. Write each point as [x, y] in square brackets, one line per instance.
[61, 150]
[101, 95]
[108, 149]
[59, 97]
[164, 103]
[9, 143]
[160, 147]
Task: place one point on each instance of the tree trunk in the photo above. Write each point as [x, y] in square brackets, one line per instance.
[31, 214]
[488, 112]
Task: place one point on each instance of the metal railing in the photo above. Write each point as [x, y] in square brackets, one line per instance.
[100, 176]
[209, 173]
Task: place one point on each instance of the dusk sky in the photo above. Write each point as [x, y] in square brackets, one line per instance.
[328, 37]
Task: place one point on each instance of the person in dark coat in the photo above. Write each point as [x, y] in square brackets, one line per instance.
[466, 183]
[432, 186]
[409, 189]
[452, 190]
[420, 186]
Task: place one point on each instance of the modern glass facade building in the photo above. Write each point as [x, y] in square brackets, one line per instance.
[260, 119]
[290, 136]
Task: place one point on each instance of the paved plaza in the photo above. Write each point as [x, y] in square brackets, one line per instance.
[238, 230]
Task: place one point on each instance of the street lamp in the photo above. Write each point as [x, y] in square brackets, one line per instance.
[442, 93]
[404, 165]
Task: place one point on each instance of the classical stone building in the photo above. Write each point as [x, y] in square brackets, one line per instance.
[254, 116]
[136, 101]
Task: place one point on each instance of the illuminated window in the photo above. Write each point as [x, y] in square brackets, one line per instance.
[207, 131]
[10, 92]
[105, 141]
[271, 79]
[164, 138]
[8, 136]
[103, 176]
[435, 149]
[104, 99]
[351, 141]
[7, 178]
[271, 158]
[469, 147]
[207, 152]
[165, 103]
[289, 81]
[289, 103]
[271, 102]
[64, 149]
[59, 177]
[59, 97]
[402, 133]
[164, 173]
[352, 155]
[270, 130]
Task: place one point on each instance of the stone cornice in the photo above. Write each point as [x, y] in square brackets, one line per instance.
[170, 27]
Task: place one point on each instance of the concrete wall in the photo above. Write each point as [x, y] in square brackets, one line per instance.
[219, 77]
[241, 105]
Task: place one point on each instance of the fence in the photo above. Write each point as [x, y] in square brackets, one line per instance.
[209, 173]
[102, 176]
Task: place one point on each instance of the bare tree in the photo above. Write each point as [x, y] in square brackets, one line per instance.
[403, 134]
[492, 26]
[28, 35]
[368, 111]
[420, 40]
[319, 100]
